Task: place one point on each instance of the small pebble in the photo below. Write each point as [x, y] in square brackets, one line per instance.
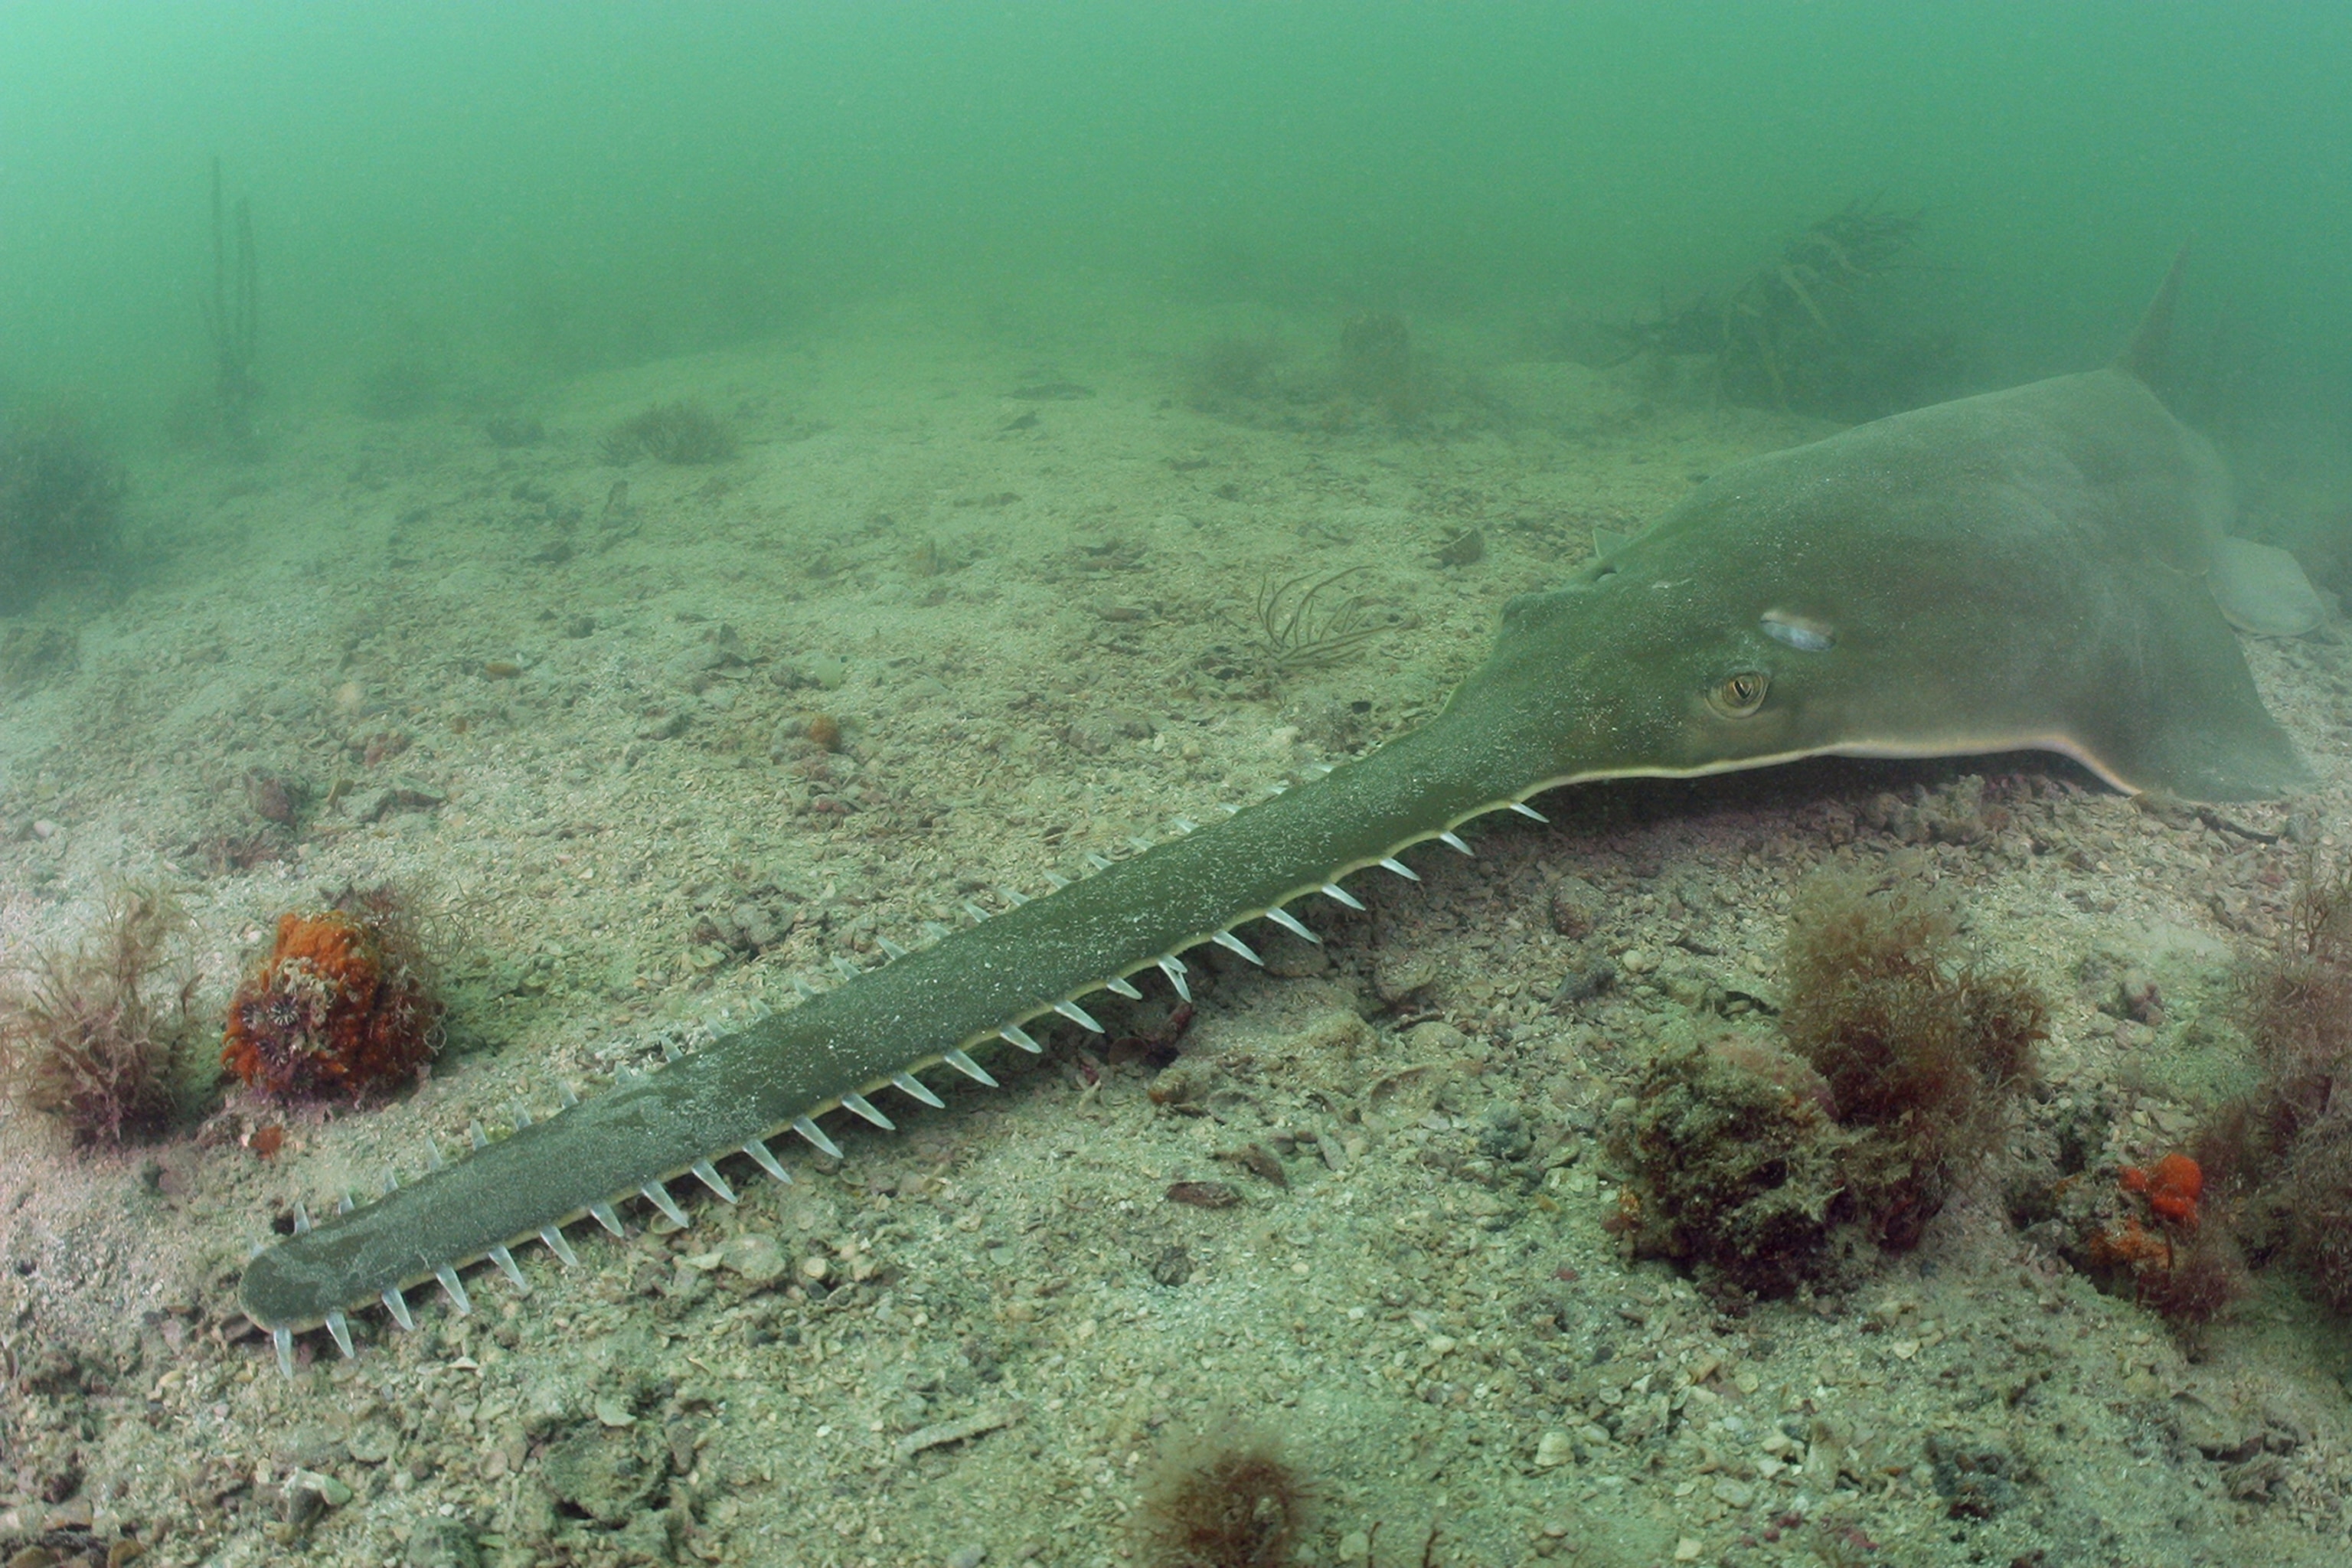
[371, 1443]
[755, 1258]
[968, 1557]
[1584, 984]
[815, 1267]
[1203, 1195]
[1571, 907]
[1396, 978]
[1434, 1039]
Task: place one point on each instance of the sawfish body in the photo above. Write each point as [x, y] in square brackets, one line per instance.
[2045, 567]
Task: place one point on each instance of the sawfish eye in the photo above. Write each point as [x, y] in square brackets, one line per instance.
[1740, 693]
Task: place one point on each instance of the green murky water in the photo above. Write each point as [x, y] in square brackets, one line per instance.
[702, 494]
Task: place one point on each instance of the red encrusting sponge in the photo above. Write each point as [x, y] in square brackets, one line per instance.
[2172, 1187]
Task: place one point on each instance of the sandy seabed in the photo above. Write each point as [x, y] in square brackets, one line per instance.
[568, 707]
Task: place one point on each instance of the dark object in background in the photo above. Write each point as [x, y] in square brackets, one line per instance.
[94, 1037]
[1809, 332]
[681, 432]
[510, 431]
[1229, 370]
[60, 508]
[409, 385]
[1376, 362]
[30, 654]
[233, 314]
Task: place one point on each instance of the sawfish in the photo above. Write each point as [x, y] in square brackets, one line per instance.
[2046, 567]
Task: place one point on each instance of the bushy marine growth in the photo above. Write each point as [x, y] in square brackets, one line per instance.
[2284, 1153]
[1922, 1046]
[94, 1037]
[1737, 1162]
[2268, 1177]
[1810, 330]
[681, 432]
[1235, 1503]
[344, 1004]
[1760, 1161]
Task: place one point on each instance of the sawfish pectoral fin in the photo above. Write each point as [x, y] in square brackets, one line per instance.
[2262, 589]
[2194, 725]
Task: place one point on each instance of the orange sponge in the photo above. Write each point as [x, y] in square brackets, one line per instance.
[2126, 1245]
[342, 1005]
[2172, 1188]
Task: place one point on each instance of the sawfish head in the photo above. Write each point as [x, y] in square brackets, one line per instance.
[2023, 570]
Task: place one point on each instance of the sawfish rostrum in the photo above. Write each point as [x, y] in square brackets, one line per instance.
[2045, 567]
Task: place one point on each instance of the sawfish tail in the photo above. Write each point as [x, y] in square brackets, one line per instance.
[2144, 356]
[949, 1003]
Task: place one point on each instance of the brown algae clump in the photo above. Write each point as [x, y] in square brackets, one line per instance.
[1922, 1048]
[1222, 1503]
[2287, 1144]
[94, 1037]
[1739, 1165]
[1751, 1157]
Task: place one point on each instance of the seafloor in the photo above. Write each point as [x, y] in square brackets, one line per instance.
[566, 706]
